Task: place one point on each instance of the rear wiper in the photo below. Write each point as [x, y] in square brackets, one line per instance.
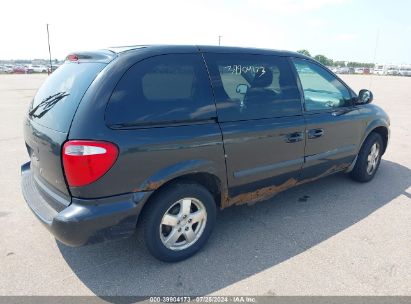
[47, 104]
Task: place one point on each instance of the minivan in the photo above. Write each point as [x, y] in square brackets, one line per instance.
[164, 136]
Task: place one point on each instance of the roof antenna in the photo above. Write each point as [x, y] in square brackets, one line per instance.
[48, 41]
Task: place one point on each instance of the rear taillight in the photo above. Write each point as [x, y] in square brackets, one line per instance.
[85, 161]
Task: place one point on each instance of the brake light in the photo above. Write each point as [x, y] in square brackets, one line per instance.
[85, 161]
[72, 57]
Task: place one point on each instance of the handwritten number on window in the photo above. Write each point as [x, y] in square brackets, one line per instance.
[239, 69]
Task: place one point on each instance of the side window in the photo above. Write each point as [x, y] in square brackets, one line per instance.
[322, 91]
[162, 89]
[253, 86]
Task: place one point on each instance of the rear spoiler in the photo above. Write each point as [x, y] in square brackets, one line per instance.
[100, 56]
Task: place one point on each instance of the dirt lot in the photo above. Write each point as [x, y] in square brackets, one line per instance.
[345, 239]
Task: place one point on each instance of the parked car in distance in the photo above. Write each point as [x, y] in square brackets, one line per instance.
[20, 69]
[8, 68]
[345, 70]
[393, 71]
[158, 138]
[39, 68]
[380, 69]
[404, 71]
[358, 70]
[29, 69]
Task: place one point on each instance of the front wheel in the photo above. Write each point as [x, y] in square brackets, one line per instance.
[369, 158]
[179, 221]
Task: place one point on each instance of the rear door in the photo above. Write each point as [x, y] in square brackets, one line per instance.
[48, 121]
[259, 111]
[334, 124]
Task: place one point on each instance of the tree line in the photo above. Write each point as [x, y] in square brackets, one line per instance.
[338, 63]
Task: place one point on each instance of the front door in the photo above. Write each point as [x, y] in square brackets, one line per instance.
[333, 123]
[260, 115]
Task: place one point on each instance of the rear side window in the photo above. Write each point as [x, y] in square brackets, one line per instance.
[58, 98]
[162, 89]
[253, 86]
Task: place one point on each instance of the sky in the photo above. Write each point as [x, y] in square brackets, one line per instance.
[353, 30]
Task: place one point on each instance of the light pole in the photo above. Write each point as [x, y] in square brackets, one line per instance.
[219, 40]
[48, 41]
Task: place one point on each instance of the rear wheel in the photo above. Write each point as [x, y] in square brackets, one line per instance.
[368, 159]
[179, 221]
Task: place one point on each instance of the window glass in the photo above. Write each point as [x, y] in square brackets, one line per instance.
[179, 80]
[322, 90]
[253, 86]
[162, 89]
[57, 99]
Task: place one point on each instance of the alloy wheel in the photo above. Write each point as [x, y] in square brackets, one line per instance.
[183, 224]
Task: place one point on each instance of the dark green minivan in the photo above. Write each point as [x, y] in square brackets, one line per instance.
[164, 136]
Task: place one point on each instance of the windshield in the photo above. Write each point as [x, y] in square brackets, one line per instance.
[58, 98]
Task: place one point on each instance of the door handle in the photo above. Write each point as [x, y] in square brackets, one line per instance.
[294, 137]
[315, 133]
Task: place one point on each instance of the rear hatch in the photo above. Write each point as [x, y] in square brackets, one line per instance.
[49, 118]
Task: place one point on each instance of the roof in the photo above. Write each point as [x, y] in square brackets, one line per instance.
[108, 54]
[205, 49]
[246, 50]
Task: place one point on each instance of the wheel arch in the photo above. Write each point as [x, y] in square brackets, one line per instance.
[202, 172]
[380, 128]
[208, 180]
[383, 131]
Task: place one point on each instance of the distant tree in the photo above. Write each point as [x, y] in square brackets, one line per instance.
[353, 64]
[304, 52]
[339, 63]
[324, 60]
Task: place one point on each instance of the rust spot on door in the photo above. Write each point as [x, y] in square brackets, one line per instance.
[262, 193]
[270, 191]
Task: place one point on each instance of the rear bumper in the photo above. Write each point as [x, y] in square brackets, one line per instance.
[83, 221]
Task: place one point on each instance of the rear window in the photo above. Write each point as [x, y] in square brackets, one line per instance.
[58, 98]
[162, 89]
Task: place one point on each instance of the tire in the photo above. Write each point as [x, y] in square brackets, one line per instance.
[170, 236]
[362, 171]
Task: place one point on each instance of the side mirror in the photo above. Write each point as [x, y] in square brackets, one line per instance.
[241, 89]
[364, 96]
